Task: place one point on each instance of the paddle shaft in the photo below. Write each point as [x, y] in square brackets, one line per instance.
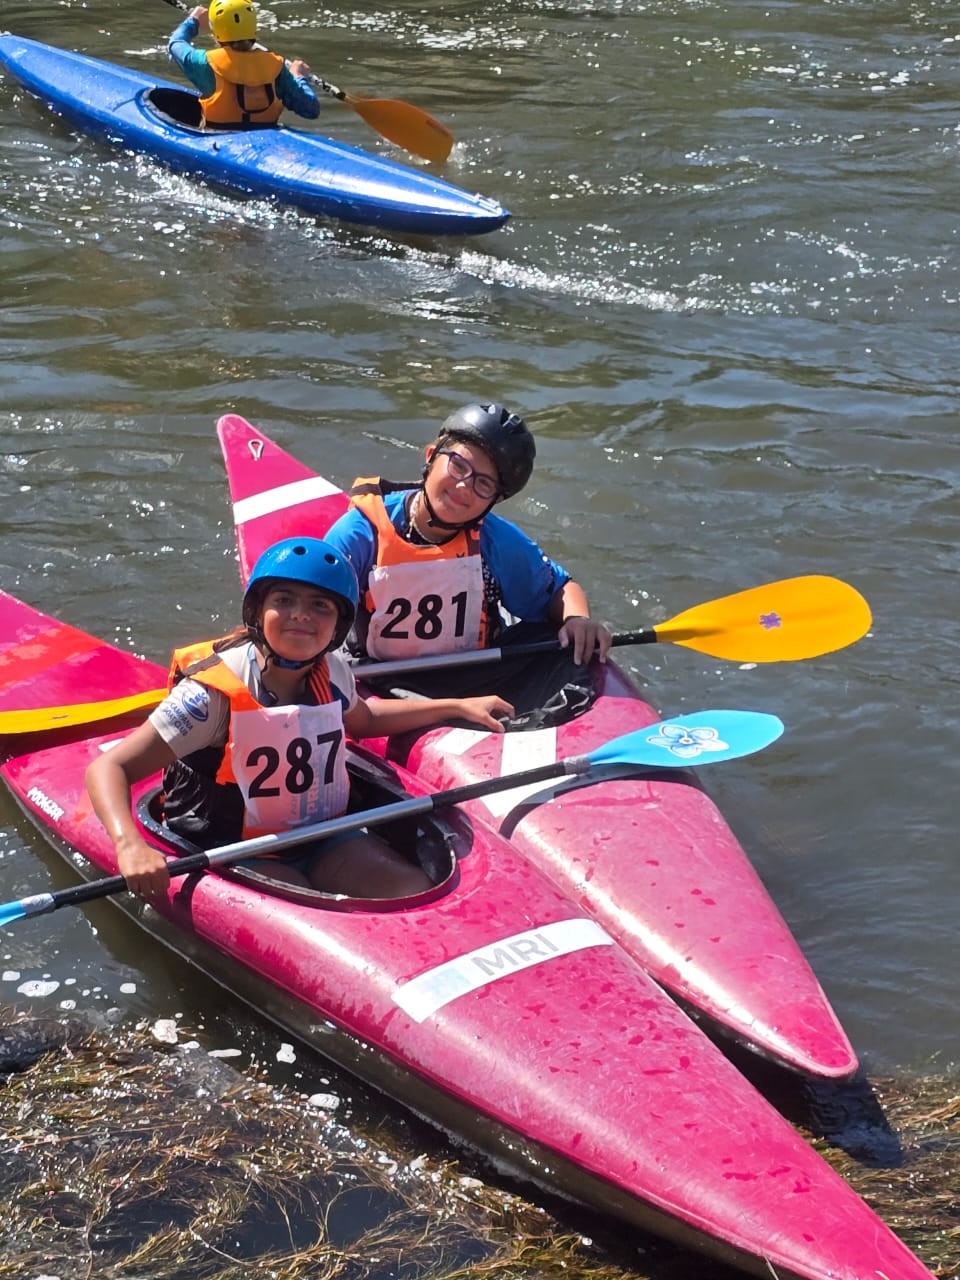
[475, 657]
[42, 903]
[780, 622]
[43, 718]
[329, 89]
[702, 737]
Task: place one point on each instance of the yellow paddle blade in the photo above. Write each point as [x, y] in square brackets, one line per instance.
[781, 622]
[404, 124]
[44, 718]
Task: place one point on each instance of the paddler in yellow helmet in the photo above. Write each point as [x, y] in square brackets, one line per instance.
[242, 84]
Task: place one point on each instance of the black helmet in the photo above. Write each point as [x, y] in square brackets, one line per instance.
[502, 435]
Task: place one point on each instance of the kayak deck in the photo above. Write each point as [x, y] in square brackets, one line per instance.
[497, 1008]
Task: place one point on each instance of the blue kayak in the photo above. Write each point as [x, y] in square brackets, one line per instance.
[287, 165]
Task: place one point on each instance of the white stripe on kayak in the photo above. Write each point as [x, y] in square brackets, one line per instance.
[457, 742]
[522, 751]
[282, 497]
[430, 991]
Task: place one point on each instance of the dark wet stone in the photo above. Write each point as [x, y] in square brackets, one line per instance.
[25, 1040]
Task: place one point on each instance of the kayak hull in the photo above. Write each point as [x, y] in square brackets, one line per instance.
[496, 1008]
[287, 165]
[649, 856]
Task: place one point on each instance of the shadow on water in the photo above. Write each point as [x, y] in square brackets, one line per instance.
[846, 1115]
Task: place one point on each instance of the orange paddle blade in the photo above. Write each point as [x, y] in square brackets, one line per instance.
[781, 622]
[404, 124]
[44, 718]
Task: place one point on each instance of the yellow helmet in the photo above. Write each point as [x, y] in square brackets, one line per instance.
[232, 20]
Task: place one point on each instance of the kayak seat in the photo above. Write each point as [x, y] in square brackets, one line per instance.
[179, 106]
[431, 842]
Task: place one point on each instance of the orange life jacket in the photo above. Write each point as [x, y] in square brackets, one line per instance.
[392, 549]
[244, 95]
[202, 794]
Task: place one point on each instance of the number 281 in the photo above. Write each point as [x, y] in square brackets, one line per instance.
[429, 620]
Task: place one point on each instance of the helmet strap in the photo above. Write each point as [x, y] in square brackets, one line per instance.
[272, 658]
[434, 521]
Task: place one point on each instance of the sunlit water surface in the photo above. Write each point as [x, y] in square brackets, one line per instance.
[727, 304]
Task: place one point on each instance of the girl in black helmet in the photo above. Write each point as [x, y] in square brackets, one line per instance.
[438, 569]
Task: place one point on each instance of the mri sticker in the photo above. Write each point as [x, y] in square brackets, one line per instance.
[430, 991]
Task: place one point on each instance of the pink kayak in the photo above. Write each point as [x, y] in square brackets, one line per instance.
[493, 1004]
[651, 859]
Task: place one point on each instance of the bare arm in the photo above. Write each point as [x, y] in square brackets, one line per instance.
[571, 612]
[379, 717]
[109, 779]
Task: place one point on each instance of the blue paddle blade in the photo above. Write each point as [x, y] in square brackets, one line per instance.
[36, 905]
[703, 737]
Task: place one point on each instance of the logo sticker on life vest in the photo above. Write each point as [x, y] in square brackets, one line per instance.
[687, 743]
[430, 991]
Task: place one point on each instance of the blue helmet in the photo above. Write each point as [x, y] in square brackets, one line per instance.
[313, 562]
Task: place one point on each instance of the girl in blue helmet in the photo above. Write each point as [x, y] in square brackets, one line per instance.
[250, 737]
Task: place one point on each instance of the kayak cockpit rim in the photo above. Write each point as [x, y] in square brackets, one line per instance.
[178, 107]
[433, 843]
[182, 109]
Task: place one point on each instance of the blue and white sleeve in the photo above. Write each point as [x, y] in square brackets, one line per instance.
[527, 577]
[191, 717]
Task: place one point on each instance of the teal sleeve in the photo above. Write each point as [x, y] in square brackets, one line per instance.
[296, 95]
[192, 62]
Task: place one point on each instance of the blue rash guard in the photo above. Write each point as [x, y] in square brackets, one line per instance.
[293, 91]
[525, 578]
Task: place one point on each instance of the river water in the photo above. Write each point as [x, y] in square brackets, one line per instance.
[727, 304]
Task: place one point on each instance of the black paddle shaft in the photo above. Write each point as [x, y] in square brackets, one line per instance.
[42, 903]
[476, 657]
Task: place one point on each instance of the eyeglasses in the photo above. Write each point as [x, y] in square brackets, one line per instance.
[484, 486]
